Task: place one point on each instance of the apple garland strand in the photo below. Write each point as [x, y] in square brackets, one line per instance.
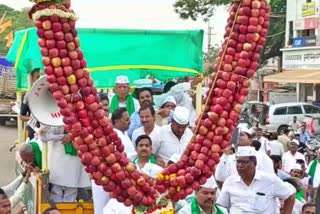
[99, 147]
[215, 78]
[229, 85]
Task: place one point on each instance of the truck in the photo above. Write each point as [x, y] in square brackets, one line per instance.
[7, 91]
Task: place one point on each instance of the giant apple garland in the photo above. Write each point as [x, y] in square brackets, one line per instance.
[98, 145]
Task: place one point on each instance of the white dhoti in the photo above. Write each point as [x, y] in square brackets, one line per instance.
[67, 174]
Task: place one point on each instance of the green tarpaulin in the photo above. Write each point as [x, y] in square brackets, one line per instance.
[109, 53]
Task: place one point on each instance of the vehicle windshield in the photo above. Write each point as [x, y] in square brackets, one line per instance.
[310, 109]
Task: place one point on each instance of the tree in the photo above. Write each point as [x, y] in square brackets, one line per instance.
[195, 9]
[20, 21]
[209, 59]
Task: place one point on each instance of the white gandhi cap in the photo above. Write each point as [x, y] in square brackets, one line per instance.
[296, 167]
[169, 99]
[210, 184]
[181, 115]
[122, 80]
[246, 151]
[294, 141]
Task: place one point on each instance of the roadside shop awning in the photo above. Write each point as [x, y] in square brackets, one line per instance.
[298, 76]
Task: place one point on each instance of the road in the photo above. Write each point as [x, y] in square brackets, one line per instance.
[8, 135]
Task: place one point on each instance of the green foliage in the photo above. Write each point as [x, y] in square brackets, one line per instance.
[20, 21]
[195, 9]
[209, 59]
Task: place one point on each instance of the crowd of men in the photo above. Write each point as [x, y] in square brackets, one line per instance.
[258, 174]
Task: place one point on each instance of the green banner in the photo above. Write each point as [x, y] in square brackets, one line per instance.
[110, 52]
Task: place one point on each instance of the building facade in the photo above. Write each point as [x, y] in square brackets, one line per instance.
[301, 54]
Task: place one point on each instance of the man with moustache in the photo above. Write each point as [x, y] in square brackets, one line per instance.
[227, 164]
[290, 157]
[253, 191]
[149, 127]
[122, 97]
[175, 136]
[204, 200]
[145, 163]
[145, 97]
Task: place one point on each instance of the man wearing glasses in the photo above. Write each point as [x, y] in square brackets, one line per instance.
[253, 191]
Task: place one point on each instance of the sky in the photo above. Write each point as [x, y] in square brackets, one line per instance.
[137, 14]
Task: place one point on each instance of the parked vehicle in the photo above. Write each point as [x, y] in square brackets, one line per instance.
[7, 91]
[279, 116]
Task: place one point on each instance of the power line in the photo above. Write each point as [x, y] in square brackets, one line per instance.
[276, 34]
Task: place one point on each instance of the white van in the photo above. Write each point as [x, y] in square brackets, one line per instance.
[279, 116]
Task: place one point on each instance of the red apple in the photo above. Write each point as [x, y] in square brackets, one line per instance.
[48, 34]
[71, 46]
[255, 4]
[75, 64]
[42, 42]
[61, 44]
[66, 27]
[243, 20]
[63, 53]
[68, 37]
[59, 36]
[56, 27]
[65, 61]
[53, 52]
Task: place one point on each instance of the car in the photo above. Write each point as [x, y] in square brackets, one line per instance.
[279, 115]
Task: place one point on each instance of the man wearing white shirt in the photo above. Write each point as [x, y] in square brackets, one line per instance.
[264, 162]
[120, 121]
[294, 124]
[147, 118]
[145, 97]
[64, 185]
[227, 164]
[179, 92]
[290, 157]
[115, 207]
[276, 147]
[253, 191]
[175, 136]
[265, 147]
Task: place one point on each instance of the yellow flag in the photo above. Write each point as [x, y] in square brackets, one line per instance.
[4, 26]
[9, 39]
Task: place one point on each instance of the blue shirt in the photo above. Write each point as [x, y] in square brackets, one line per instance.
[304, 137]
[136, 122]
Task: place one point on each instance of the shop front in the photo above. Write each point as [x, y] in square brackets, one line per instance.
[301, 66]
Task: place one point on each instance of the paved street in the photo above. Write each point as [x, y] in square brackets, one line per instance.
[8, 134]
